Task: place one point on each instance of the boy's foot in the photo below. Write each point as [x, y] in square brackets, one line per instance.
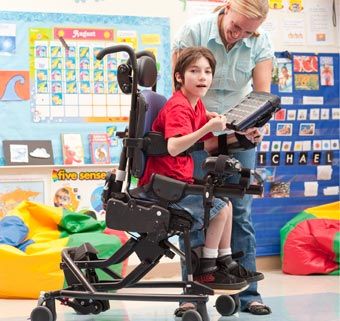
[234, 267]
[209, 274]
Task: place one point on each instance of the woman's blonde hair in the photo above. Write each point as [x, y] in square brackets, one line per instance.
[252, 9]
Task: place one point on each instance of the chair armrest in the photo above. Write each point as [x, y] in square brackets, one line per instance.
[167, 188]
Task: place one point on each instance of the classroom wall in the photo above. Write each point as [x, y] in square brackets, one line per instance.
[174, 10]
[151, 8]
[178, 11]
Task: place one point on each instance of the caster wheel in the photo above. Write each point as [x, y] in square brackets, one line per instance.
[105, 305]
[225, 305]
[81, 306]
[97, 307]
[191, 315]
[237, 302]
[41, 313]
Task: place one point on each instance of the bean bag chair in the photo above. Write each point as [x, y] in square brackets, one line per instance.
[310, 242]
[32, 237]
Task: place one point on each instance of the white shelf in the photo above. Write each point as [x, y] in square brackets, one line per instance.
[56, 166]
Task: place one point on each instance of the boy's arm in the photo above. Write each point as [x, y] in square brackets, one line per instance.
[235, 141]
[177, 145]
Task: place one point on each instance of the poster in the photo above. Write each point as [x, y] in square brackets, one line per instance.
[56, 84]
[78, 190]
[12, 193]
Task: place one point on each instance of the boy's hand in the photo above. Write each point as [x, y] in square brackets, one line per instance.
[217, 123]
[211, 114]
[254, 135]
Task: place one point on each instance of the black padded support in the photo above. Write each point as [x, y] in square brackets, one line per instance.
[136, 218]
[220, 163]
[222, 145]
[155, 144]
[167, 188]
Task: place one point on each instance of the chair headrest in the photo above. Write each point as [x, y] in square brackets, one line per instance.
[146, 73]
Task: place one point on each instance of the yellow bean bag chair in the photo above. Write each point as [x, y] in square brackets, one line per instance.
[31, 240]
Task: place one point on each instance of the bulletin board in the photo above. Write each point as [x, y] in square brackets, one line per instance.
[299, 155]
[51, 82]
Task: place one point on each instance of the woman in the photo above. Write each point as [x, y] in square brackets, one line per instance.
[244, 63]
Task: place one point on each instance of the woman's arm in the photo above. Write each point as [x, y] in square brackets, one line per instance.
[262, 75]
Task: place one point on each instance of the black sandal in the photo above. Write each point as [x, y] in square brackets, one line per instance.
[180, 310]
[258, 309]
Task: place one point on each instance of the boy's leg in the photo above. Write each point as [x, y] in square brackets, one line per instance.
[209, 273]
[226, 260]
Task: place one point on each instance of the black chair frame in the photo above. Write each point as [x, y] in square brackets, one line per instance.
[152, 222]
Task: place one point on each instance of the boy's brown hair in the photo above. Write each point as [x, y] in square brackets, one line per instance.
[189, 55]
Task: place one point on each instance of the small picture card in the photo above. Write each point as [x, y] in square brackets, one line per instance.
[306, 81]
[291, 114]
[336, 113]
[18, 153]
[286, 146]
[311, 188]
[324, 172]
[298, 146]
[314, 114]
[334, 144]
[285, 77]
[265, 146]
[287, 100]
[305, 64]
[280, 115]
[266, 129]
[266, 173]
[307, 129]
[302, 114]
[279, 189]
[100, 148]
[324, 113]
[326, 71]
[276, 146]
[317, 145]
[72, 148]
[326, 144]
[306, 145]
[284, 129]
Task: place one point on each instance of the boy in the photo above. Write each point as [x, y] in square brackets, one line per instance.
[183, 121]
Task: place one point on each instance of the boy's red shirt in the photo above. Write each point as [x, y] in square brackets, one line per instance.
[176, 118]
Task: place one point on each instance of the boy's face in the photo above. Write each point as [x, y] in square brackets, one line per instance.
[197, 79]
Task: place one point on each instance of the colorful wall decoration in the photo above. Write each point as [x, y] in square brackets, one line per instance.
[51, 82]
[299, 155]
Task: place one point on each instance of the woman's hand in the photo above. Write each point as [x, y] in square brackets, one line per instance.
[253, 134]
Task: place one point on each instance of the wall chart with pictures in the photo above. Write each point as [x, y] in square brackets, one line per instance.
[51, 82]
[299, 155]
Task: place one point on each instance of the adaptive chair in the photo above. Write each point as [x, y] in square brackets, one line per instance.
[150, 223]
